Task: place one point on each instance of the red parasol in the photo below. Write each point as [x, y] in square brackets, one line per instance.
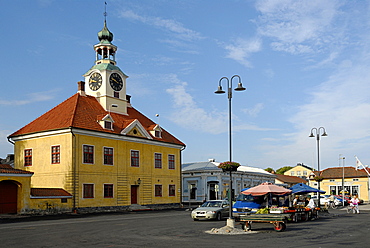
[266, 188]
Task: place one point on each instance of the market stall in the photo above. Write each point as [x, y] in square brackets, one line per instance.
[269, 190]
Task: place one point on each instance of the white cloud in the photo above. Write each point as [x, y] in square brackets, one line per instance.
[189, 115]
[255, 110]
[242, 49]
[172, 26]
[297, 26]
[31, 98]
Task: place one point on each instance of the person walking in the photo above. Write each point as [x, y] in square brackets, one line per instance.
[355, 202]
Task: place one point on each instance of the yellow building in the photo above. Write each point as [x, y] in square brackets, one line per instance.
[356, 182]
[96, 146]
[300, 170]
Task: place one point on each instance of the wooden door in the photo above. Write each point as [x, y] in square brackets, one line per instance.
[134, 194]
[8, 197]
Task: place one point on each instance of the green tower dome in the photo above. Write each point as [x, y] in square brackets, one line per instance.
[105, 34]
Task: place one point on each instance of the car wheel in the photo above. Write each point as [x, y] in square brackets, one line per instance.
[218, 216]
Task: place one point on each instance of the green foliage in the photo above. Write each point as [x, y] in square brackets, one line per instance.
[269, 169]
[283, 169]
[228, 165]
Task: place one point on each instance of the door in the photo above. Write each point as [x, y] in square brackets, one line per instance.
[134, 194]
[8, 197]
[212, 191]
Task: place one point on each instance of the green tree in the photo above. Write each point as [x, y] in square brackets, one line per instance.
[283, 169]
[269, 169]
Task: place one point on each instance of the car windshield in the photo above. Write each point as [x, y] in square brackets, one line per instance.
[250, 198]
[212, 204]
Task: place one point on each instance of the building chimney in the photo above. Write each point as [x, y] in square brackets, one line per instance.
[81, 88]
[128, 99]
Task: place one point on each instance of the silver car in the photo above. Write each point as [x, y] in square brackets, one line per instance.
[215, 209]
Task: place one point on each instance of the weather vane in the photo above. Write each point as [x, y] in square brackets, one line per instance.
[105, 11]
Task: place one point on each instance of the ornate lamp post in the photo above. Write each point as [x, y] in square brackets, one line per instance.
[317, 131]
[230, 221]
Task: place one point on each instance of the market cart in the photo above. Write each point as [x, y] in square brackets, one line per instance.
[278, 220]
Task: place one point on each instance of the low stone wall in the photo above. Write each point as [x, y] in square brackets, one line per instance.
[92, 210]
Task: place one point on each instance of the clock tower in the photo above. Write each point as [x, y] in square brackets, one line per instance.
[105, 80]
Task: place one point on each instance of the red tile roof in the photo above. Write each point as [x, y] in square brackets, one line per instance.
[337, 172]
[7, 169]
[290, 179]
[49, 192]
[84, 112]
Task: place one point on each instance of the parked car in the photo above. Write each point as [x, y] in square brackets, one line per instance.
[324, 199]
[215, 209]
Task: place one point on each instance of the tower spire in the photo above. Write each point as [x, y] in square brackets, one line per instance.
[105, 11]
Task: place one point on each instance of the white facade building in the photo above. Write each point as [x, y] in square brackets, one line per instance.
[202, 181]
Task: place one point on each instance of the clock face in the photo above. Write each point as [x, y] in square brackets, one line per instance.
[115, 81]
[95, 81]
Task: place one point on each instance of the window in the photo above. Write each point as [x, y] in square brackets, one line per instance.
[88, 190]
[292, 173]
[355, 190]
[108, 190]
[55, 154]
[135, 158]
[172, 190]
[108, 156]
[355, 179]
[171, 162]
[28, 157]
[88, 154]
[157, 134]
[107, 125]
[298, 173]
[116, 94]
[332, 180]
[158, 190]
[304, 173]
[158, 160]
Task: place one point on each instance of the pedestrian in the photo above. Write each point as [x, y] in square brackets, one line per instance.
[355, 201]
[295, 201]
[312, 206]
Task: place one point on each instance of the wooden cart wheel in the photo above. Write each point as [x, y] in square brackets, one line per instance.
[247, 226]
[279, 226]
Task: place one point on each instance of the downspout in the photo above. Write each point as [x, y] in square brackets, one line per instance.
[74, 210]
[181, 182]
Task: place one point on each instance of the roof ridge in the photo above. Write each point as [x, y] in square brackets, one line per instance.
[75, 109]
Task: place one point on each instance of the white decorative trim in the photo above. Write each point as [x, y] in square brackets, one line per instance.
[15, 175]
[49, 197]
[137, 124]
[105, 135]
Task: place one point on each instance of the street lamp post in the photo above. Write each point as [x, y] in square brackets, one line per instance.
[318, 132]
[343, 181]
[230, 221]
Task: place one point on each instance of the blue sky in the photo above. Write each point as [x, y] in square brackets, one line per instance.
[305, 64]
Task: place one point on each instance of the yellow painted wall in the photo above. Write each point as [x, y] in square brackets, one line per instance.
[46, 174]
[362, 183]
[298, 171]
[49, 205]
[24, 190]
[121, 174]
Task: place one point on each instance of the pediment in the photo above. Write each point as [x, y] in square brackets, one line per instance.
[136, 129]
